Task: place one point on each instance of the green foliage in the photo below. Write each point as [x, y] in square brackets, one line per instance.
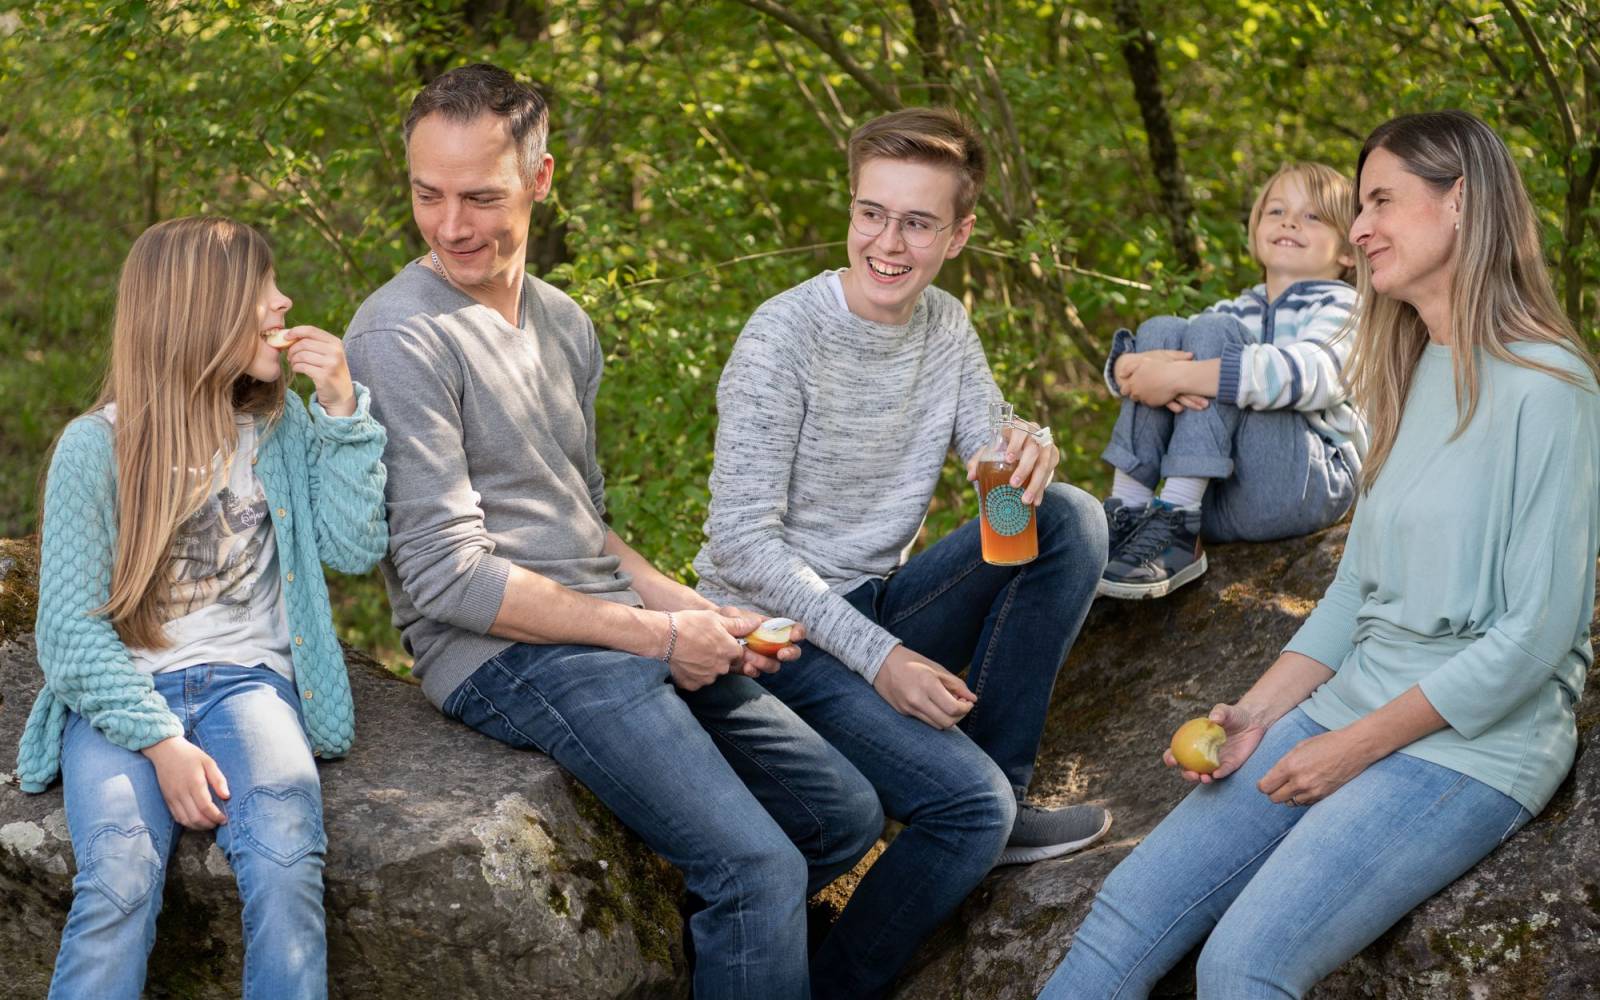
[700, 170]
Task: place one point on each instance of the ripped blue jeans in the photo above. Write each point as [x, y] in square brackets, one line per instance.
[248, 720]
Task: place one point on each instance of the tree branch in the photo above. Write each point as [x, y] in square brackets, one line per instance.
[827, 41]
[1545, 70]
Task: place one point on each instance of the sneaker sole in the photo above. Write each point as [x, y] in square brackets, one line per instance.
[1145, 591]
[1028, 855]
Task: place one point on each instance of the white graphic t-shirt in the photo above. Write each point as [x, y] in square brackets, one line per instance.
[223, 601]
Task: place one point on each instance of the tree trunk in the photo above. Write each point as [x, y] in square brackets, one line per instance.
[1144, 68]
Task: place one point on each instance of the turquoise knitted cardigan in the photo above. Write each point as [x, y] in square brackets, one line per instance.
[323, 477]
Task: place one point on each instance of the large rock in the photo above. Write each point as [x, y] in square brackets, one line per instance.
[456, 866]
[1523, 925]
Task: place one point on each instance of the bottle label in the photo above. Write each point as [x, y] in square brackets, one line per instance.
[1005, 511]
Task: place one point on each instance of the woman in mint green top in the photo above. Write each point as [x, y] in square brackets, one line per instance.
[1424, 711]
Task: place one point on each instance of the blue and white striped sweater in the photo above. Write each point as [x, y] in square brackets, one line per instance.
[1296, 362]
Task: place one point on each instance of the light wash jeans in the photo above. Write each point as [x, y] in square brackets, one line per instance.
[754, 808]
[1286, 894]
[955, 789]
[1272, 476]
[248, 720]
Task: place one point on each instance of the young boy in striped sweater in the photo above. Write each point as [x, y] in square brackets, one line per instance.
[1240, 413]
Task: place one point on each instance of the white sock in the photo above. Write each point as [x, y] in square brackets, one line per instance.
[1130, 491]
[1183, 491]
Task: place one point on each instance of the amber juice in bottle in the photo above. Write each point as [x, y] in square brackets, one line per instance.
[1006, 524]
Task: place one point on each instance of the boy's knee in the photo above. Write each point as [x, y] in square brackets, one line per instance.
[124, 866]
[1206, 336]
[1161, 333]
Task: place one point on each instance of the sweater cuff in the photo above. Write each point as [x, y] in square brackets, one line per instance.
[486, 591]
[1121, 343]
[357, 426]
[866, 658]
[1228, 378]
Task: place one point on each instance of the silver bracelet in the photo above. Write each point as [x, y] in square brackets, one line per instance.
[672, 638]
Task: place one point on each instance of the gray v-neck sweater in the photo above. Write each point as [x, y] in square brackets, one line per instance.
[491, 460]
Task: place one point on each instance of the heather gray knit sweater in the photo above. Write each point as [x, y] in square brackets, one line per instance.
[831, 434]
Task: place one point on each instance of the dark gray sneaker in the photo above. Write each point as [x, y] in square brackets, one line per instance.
[1162, 554]
[1040, 833]
[1121, 519]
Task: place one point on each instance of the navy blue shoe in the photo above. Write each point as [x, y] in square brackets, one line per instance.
[1161, 554]
[1121, 519]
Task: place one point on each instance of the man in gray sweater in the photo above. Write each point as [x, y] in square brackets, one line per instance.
[528, 617]
[856, 384]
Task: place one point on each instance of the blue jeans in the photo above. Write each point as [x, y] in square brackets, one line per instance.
[1272, 476]
[955, 789]
[725, 783]
[248, 720]
[1286, 894]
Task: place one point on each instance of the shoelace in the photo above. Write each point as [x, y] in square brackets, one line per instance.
[1152, 534]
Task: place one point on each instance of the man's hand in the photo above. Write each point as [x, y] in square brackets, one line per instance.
[918, 687]
[187, 776]
[741, 622]
[706, 648]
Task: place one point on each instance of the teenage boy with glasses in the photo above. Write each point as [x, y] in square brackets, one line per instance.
[837, 410]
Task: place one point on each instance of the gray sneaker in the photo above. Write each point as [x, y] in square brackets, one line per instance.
[1040, 833]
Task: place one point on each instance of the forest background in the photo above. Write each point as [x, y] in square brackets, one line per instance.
[700, 170]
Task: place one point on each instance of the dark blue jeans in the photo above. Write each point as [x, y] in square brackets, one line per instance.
[1272, 476]
[955, 789]
[726, 783]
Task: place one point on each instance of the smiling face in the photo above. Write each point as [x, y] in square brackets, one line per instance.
[264, 364]
[1293, 241]
[1407, 231]
[887, 274]
[469, 200]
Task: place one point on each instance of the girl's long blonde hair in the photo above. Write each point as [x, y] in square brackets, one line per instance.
[1500, 293]
[186, 329]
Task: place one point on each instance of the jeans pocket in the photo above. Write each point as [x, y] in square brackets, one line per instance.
[1518, 821]
[124, 865]
[283, 824]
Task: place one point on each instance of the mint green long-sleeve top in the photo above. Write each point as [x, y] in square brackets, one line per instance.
[1470, 572]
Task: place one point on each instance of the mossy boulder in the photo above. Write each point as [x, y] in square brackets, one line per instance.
[1523, 925]
[456, 866]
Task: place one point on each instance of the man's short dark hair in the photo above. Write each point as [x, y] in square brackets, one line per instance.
[464, 93]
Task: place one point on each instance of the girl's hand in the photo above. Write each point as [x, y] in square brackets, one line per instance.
[319, 355]
[1244, 731]
[187, 776]
[1315, 769]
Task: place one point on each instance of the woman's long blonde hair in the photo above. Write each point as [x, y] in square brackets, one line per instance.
[186, 329]
[1500, 293]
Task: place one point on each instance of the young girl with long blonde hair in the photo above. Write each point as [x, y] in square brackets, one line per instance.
[184, 629]
[1424, 711]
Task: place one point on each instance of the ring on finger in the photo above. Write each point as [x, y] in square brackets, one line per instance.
[1294, 802]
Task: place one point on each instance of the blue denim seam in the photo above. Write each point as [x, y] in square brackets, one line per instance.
[1133, 967]
[934, 595]
[779, 778]
[1313, 918]
[1516, 824]
[988, 652]
[506, 719]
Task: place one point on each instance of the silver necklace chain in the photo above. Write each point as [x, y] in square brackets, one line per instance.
[522, 306]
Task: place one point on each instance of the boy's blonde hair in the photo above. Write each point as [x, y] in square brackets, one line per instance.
[936, 136]
[1331, 196]
[186, 328]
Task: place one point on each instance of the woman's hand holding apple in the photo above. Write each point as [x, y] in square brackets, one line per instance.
[1244, 731]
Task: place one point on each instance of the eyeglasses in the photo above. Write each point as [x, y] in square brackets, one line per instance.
[918, 231]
